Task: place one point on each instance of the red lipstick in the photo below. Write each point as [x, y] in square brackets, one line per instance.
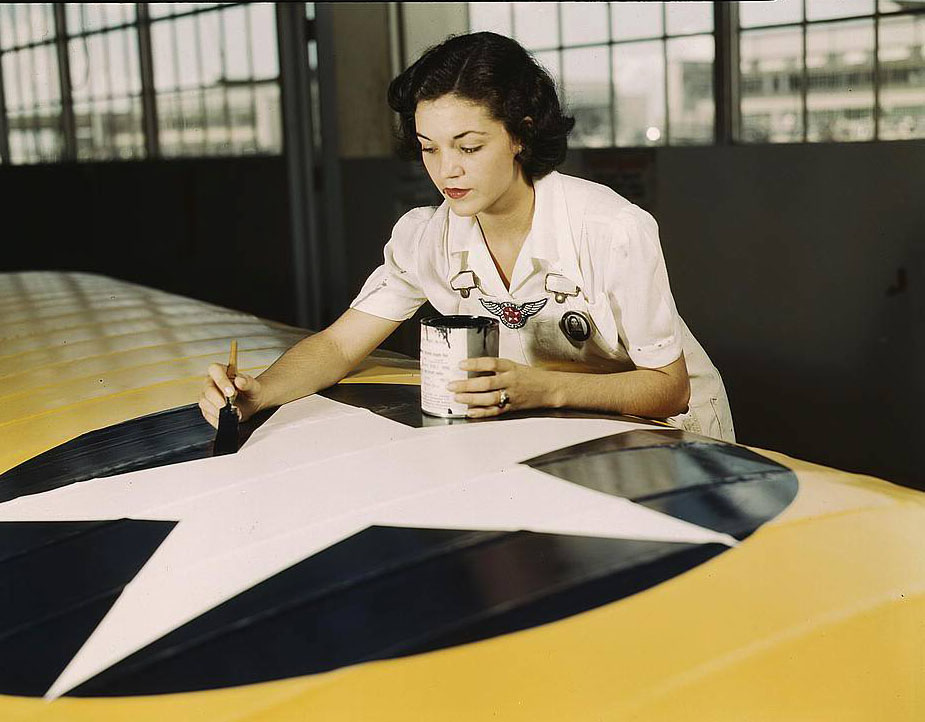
[456, 193]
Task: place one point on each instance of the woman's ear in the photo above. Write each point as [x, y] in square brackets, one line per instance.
[526, 126]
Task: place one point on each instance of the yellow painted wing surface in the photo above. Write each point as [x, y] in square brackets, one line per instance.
[80, 352]
[819, 615]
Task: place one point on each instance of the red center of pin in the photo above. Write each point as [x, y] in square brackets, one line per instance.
[512, 315]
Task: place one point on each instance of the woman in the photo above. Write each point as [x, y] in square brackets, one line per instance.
[573, 271]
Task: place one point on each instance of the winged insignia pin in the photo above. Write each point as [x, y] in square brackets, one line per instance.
[513, 315]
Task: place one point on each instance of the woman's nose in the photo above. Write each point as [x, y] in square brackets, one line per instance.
[450, 166]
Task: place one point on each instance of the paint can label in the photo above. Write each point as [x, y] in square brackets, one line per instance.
[445, 342]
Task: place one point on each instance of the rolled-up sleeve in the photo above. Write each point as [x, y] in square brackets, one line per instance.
[637, 286]
[393, 290]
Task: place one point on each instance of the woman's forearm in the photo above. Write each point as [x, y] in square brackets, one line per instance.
[314, 363]
[323, 359]
[653, 393]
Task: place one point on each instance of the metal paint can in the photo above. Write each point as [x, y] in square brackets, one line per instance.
[445, 342]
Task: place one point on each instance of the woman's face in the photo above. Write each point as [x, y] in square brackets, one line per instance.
[468, 154]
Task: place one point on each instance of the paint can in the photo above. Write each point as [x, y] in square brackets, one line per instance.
[445, 342]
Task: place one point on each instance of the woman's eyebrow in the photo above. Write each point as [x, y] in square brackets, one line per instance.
[457, 136]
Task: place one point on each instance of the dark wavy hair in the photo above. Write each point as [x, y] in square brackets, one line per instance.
[498, 73]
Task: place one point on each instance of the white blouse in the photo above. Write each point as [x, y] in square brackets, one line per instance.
[589, 252]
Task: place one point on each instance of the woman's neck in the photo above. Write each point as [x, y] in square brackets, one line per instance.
[507, 223]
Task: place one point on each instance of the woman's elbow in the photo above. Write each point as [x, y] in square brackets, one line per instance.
[679, 397]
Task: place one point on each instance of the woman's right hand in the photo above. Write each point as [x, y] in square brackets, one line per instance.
[218, 387]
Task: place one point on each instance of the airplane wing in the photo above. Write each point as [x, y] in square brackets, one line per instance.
[359, 560]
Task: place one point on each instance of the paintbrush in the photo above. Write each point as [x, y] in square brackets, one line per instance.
[226, 437]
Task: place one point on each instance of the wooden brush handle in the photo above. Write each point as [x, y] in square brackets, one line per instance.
[233, 361]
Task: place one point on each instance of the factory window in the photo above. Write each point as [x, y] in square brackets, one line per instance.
[29, 82]
[72, 85]
[105, 80]
[216, 72]
[857, 70]
[632, 73]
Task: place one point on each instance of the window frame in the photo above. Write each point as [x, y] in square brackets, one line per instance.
[610, 44]
[150, 126]
[53, 45]
[727, 33]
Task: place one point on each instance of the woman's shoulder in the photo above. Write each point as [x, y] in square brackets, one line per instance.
[413, 225]
[596, 198]
[420, 216]
[609, 219]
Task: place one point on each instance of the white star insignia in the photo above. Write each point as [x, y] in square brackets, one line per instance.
[316, 473]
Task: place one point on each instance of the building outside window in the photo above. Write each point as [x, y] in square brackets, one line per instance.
[832, 70]
[632, 73]
[105, 80]
[641, 73]
[216, 76]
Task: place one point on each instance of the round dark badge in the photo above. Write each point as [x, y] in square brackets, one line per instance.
[576, 326]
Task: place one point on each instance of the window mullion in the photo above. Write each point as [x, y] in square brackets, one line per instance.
[28, 62]
[251, 84]
[180, 111]
[108, 124]
[726, 73]
[146, 69]
[68, 125]
[223, 49]
[204, 145]
[876, 72]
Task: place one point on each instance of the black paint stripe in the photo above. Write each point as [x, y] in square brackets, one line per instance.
[710, 483]
[167, 437]
[483, 590]
[52, 598]
[160, 439]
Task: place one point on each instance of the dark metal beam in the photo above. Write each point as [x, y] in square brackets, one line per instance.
[726, 72]
[68, 124]
[339, 296]
[300, 163]
[876, 73]
[665, 93]
[148, 94]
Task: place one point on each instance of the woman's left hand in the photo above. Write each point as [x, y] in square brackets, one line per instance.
[523, 387]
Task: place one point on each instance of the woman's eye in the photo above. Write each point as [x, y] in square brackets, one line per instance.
[470, 149]
[428, 150]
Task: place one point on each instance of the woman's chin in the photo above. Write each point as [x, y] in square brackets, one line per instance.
[464, 208]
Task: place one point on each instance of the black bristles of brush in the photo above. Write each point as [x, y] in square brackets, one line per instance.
[226, 438]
